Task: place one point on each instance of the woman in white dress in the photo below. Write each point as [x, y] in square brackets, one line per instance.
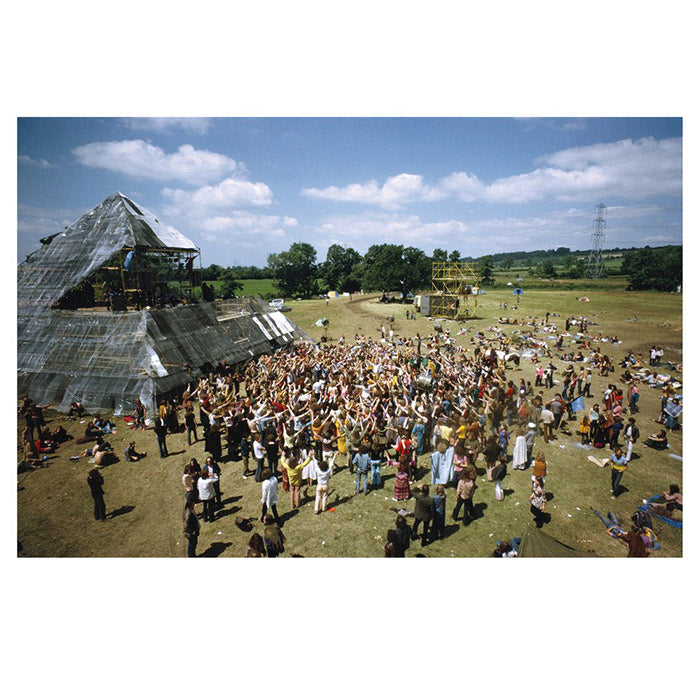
[309, 471]
[520, 450]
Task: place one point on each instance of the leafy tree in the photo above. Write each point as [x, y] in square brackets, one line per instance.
[654, 268]
[507, 263]
[338, 266]
[390, 267]
[455, 256]
[485, 268]
[211, 272]
[229, 284]
[417, 270]
[546, 269]
[352, 282]
[295, 270]
[439, 255]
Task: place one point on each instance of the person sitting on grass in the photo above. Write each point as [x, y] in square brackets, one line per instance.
[274, 537]
[673, 504]
[100, 452]
[131, 454]
[256, 546]
[392, 548]
[659, 441]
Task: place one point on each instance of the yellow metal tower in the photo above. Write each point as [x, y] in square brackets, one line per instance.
[455, 286]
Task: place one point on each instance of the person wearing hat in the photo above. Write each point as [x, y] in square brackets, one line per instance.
[530, 436]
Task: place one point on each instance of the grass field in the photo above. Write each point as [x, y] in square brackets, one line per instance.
[264, 288]
[145, 499]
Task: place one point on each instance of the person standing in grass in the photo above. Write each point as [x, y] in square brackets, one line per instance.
[439, 507]
[269, 495]
[547, 418]
[191, 528]
[402, 490]
[491, 452]
[323, 477]
[618, 462]
[403, 533]
[95, 481]
[361, 462]
[376, 455]
[503, 438]
[499, 474]
[465, 493]
[259, 454]
[207, 493]
[213, 467]
[423, 513]
[293, 469]
[538, 500]
[631, 436]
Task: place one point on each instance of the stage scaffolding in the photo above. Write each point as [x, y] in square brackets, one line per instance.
[454, 289]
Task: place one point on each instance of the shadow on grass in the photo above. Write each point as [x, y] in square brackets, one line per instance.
[508, 492]
[286, 516]
[339, 501]
[450, 530]
[174, 454]
[122, 510]
[228, 511]
[230, 499]
[478, 511]
[215, 549]
[549, 496]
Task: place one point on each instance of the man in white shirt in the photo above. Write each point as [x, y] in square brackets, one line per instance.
[547, 418]
[207, 494]
[259, 455]
[323, 477]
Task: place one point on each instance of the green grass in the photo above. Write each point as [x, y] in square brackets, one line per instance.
[265, 288]
[55, 509]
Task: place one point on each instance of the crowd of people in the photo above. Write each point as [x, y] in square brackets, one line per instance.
[374, 407]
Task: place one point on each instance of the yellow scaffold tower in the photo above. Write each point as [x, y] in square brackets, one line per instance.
[455, 288]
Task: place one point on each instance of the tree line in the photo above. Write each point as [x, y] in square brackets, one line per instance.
[397, 268]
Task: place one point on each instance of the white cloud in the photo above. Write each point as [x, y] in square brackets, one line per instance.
[396, 191]
[212, 200]
[141, 159]
[631, 170]
[42, 163]
[166, 125]
[362, 231]
[244, 228]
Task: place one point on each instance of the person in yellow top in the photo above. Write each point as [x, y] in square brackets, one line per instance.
[294, 470]
[585, 429]
[340, 431]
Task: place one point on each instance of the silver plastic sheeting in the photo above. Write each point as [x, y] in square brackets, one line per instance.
[108, 359]
[84, 246]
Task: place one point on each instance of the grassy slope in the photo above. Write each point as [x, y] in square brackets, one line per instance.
[54, 505]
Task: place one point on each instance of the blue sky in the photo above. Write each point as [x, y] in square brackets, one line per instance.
[244, 188]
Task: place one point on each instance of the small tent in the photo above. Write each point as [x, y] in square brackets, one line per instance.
[536, 543]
